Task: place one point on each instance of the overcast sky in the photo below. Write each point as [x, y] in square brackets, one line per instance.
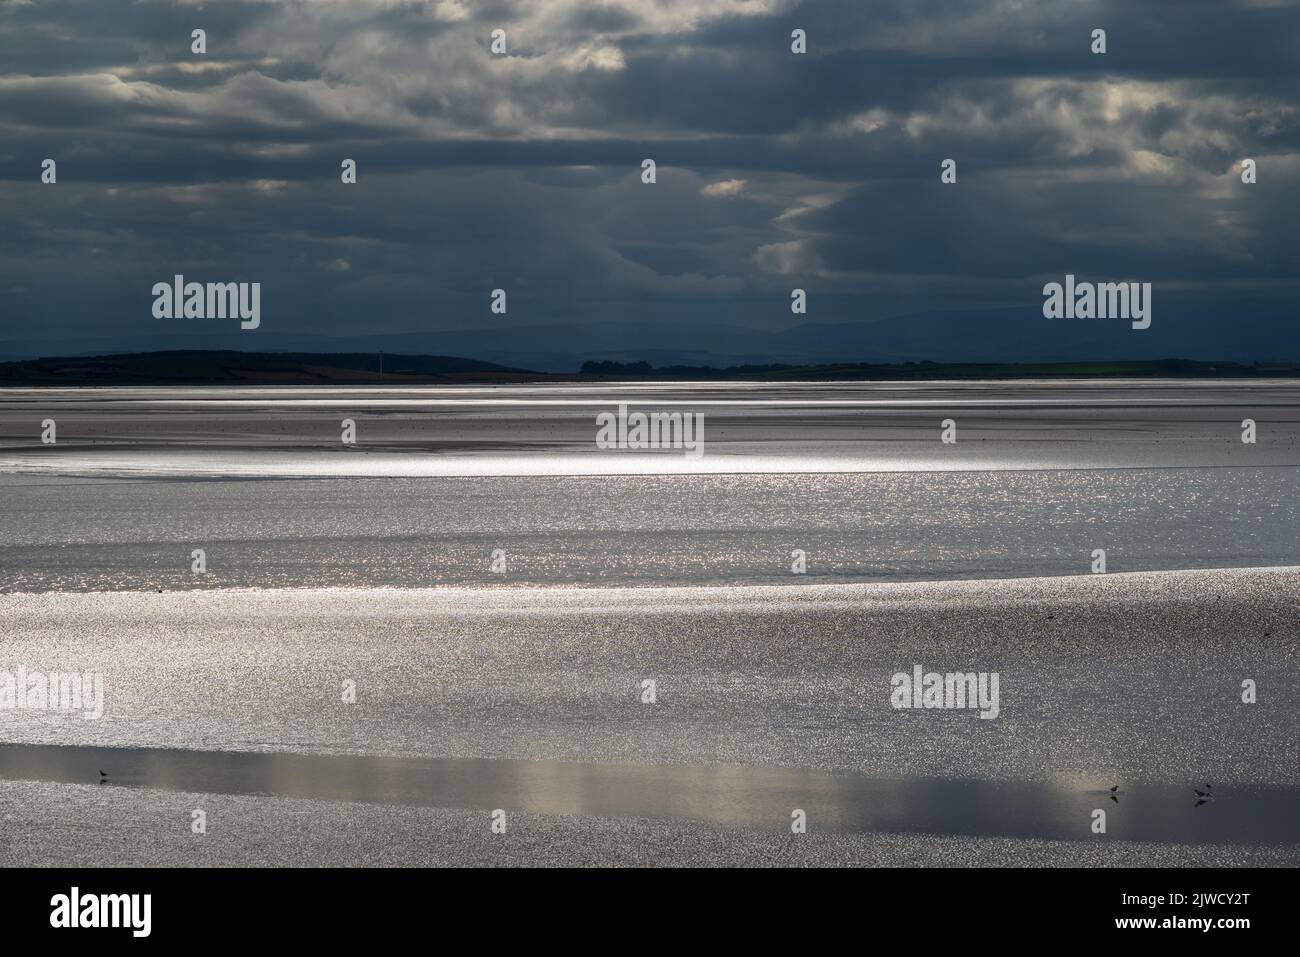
[522, 171]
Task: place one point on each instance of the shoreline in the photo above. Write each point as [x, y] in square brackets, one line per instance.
[818, 591]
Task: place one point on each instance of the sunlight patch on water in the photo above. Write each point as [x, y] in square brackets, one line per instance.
[254, 463]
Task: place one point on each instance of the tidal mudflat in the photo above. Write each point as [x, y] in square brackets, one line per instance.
[533, 701]
[646, 678]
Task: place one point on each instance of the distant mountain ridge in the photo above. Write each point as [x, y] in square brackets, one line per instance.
[226, 367]
[1211, 332]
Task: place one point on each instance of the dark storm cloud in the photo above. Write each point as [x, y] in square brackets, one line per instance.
[522, 172]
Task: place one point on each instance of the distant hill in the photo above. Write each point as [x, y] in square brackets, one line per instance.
[1203, 331]
[194, 367]
[1157, 368]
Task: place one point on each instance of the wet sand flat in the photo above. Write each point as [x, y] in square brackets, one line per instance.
[767, 699]
[748, 428]
[60, 533]
[1130, 676]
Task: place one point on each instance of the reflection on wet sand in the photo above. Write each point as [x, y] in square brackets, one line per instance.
[728, 795]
